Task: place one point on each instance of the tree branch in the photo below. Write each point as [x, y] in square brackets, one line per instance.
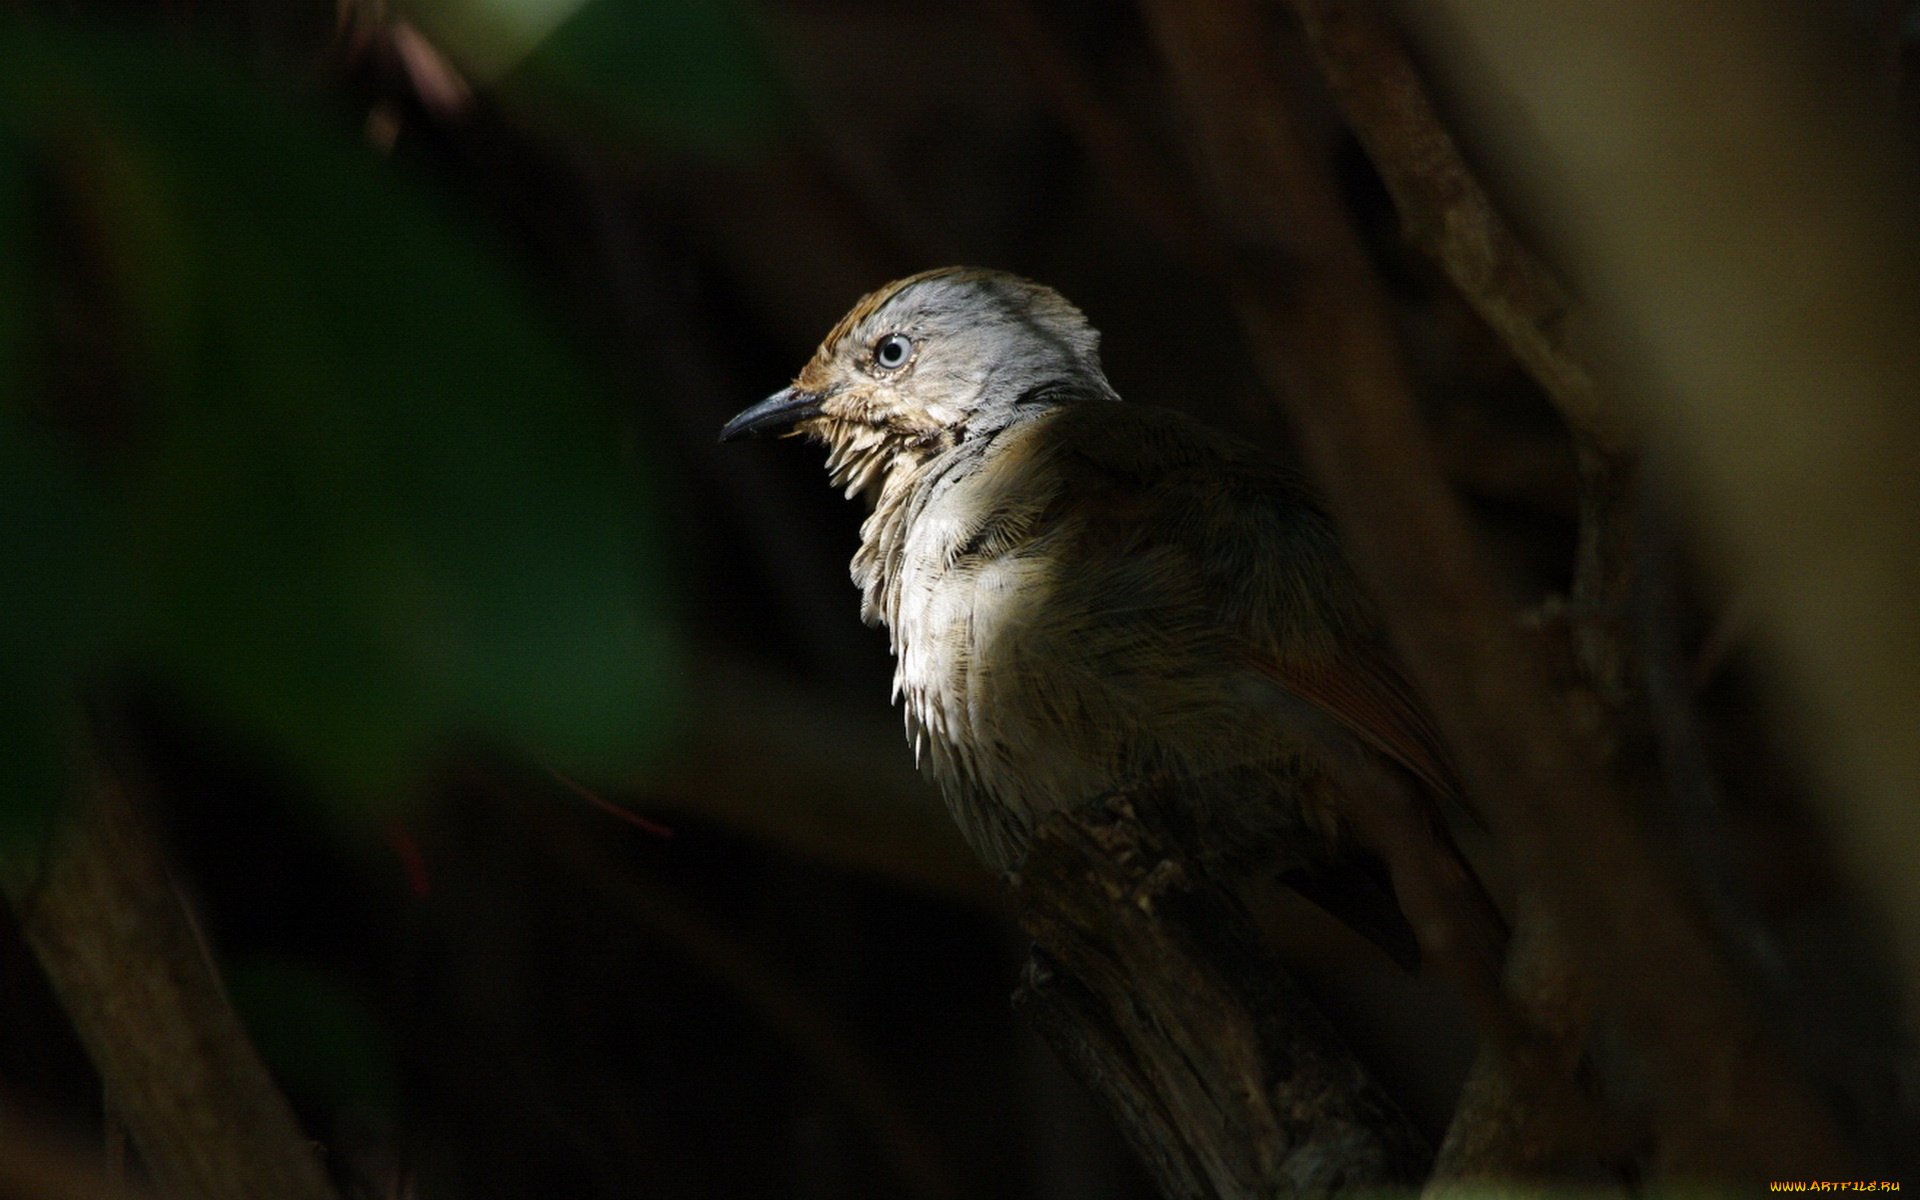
[1147, 980]
[37, 1166]
[1727, 1106]
[824, 779]
[110, 931]
[1500, 1130]
[1444, 210]
[1733, 206]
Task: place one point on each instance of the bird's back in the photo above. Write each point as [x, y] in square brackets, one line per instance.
[1102, 595]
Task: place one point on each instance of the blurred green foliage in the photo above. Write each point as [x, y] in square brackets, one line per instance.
[685, 74]
[276, 428]
[318, 1036]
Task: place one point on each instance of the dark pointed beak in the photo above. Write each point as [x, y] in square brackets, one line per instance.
[780, 411]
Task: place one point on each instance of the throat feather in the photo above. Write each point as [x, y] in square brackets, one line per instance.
[861, 453]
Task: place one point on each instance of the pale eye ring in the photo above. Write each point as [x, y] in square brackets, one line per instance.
[892, 351]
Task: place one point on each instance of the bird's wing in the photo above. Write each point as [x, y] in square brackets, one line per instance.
[1229, 565]
[1365, 691]
[1263, 557]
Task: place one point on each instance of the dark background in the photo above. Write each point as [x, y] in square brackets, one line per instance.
[367, 513]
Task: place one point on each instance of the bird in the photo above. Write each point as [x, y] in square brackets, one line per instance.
[1085, 595]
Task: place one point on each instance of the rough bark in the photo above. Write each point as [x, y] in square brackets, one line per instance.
[1148, 979]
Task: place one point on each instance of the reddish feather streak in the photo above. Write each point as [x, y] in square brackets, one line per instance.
[411, 860]
[593, 798]
[1366, 692]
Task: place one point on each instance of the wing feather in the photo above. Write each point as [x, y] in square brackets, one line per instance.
[1366, 692]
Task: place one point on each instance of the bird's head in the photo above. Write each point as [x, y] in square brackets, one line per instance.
[931, 361]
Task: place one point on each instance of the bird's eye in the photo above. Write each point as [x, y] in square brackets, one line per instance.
[892, 351]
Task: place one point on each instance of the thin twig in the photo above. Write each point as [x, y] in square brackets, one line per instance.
[813, 1030]
[827, 780]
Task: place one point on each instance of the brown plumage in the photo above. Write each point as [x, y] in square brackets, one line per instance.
[1085, 595]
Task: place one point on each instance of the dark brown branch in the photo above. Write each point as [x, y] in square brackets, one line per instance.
[1444, 210]
[36, 1166]
[1528, 1119]
[1720, 135]
[1147, 979]
[825, 779]
[1318, 325]
[1122, 157]
[116, 941]
[1890, 44]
